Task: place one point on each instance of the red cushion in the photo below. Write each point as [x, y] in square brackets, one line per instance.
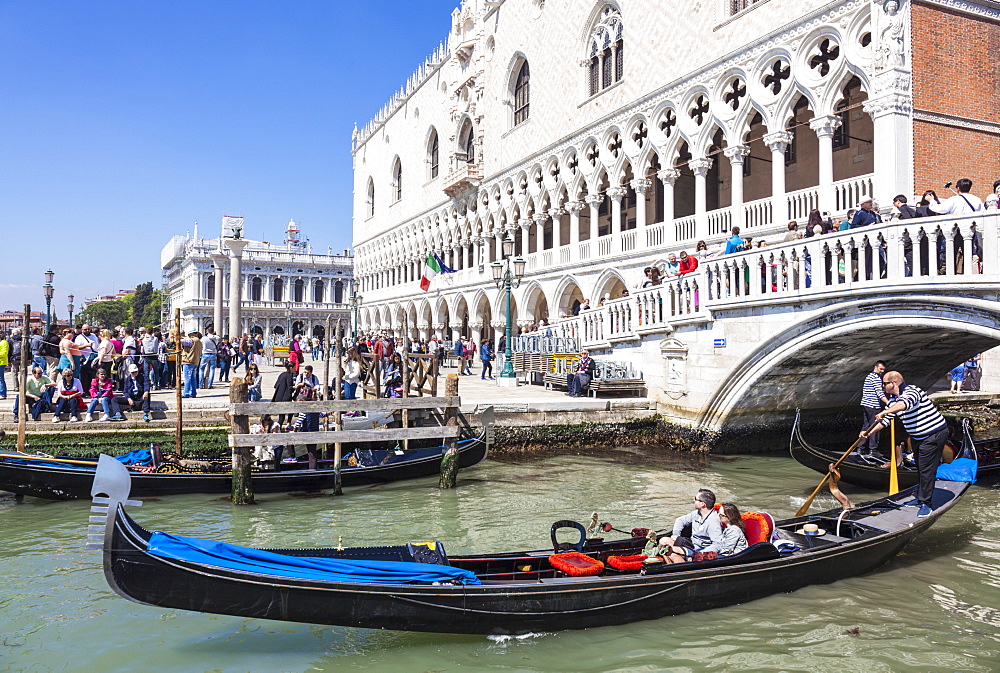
[627, 562]
[758, 527]
[576, 564]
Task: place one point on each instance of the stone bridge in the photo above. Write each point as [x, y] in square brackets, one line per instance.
[751, 336]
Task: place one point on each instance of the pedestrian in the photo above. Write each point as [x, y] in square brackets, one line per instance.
[973, 372]
[209, 358]
[191, 360]
[38, 395]
[872, 400]
[735, 242]
[963, 202]
[102, 391]
[905, 212]
[253, 379]
[315, 348]
[4, 363]
[283, 388]
[149, 347]
[578, 380]
[69, 396]
[957, 378]
[926, 427]
[486, 357]
[135, 392]
[459, 352]
[224, 357]
[352, 373]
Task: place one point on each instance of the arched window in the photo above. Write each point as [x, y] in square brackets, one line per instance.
[318, 291]
[256, 289]
[397, 180]
[606, 51]
[521, 94]
[433, 152]
[467, 142]
[370, 199]
[210, 293]
[338, 292]
[300, 290]
[277, 290]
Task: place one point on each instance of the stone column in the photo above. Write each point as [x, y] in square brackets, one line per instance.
[525, 225]
[477, 243]
[574, 208]
[777, 142]
[737, 155]
[891, 110]
[668, 176]
[641, 186]
[616, 194]
[700, 168]
[219, 262]
[466, 253]
[556, 215]
[540, 220]
[594, 201]
[236, 246]
[824, 128]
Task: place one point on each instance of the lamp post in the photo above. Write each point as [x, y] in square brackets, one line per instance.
[69, 307]
[507, 275]
[288, 319]
[50, 291]
[355, 305]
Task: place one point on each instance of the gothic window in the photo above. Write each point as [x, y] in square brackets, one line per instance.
[211, 286]
[300, 288]
[370, 199]
[397, 180]
[606, 51]
[256, 289]
[318, 289]
[521, 94]
[433, 152]
[841, 135]
[277, 290]
[737, 6]
[338, 292]
[467, 142]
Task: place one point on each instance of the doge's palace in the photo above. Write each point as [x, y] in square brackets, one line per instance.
[604, 136]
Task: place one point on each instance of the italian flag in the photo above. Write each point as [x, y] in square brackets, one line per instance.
[432, 267]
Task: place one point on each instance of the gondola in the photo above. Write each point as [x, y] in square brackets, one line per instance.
[858, 471]
[417, 587]
[59, 478]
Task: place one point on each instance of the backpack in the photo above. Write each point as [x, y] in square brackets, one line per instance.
[48, 349]
[150, 345]
[305, 393]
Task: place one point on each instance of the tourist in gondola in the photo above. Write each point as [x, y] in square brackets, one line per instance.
[706, 530]
[734, 535]
[926, 427]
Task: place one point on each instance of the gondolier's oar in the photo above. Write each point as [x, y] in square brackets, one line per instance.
[808, 503]
[893, 473]
[23, 456]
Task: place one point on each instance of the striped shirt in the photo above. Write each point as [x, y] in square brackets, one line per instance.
[920, 417]
[871, 394]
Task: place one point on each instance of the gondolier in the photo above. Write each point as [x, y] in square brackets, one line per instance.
[925, 424]
[873, 398]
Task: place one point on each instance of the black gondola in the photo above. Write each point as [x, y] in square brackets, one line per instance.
[70, 478]
[858, 471]
[498, 593]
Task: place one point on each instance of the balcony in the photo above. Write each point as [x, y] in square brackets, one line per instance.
[465, 178]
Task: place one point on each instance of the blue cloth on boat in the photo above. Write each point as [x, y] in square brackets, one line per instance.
[960, 469]
[137, 457]
[245, 559]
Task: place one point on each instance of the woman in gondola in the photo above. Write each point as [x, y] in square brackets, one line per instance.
[283, 388]
[734, 535]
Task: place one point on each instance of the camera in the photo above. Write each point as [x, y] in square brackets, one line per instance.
[947, 185]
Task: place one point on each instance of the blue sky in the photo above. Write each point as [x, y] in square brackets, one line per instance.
[124, 122]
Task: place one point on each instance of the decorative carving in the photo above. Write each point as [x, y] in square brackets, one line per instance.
[640, 185]
[825, 126]
[736, 154]
[617, 193]
[699, 110]
[668, 175]
[675, 355]
[891, 50]
[778, 141]
[575, 207]
[700, 167]
[829, 52]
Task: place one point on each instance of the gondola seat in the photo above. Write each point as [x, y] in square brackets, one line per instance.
[762, 551]
[576, 564]
[759, 527]
[627, 562]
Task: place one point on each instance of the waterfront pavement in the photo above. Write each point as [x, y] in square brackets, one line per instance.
[522, 405]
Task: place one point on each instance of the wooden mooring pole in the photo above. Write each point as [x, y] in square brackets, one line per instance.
[449, 461]
[22, 380]
[338, 420]
[178, 384]
[242, 493]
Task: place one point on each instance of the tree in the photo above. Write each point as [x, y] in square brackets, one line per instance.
[105, 313]
[140, 301]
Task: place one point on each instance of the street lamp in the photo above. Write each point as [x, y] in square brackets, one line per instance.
[288, 319]
[355, 305]
[50, 291]
[507, 275]
[69, 307]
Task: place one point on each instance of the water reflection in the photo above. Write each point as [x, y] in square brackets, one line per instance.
[930, 609]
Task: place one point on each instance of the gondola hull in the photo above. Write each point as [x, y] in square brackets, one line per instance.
[541, 604]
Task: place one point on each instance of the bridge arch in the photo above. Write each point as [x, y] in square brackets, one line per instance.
[820, 363]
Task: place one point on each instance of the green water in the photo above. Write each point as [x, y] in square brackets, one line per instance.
[935, 608]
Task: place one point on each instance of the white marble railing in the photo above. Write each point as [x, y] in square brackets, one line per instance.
[655, 235]
[584, 251]
[800, 203]
[628, 240]
[684, 229]
[848, 193]
[720, 222]
[757, 214]
[604, 246]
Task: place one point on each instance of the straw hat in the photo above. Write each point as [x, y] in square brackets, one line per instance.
[811, 529]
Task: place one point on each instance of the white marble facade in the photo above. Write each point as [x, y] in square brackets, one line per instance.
[284, 285]
[601, 136]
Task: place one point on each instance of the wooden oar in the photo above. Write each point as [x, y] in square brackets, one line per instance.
[808, 503]
[26, 456]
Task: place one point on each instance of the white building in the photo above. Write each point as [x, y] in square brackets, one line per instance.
[284, 286]
[603, 135]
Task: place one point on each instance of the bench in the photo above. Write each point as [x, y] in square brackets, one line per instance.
[636, 387]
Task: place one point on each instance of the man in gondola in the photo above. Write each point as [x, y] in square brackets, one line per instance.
[925, 425]
[873, 398]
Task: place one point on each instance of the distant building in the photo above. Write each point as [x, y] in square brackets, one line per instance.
[121, 294]
[11, 319]
[286, 287]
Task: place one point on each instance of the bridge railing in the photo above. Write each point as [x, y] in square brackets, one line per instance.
[944, 250]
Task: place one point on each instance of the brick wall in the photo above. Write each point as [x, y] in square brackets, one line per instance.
[955, 72]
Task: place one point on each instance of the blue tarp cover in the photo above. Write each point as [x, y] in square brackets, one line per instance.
[137, 457]
[244, 559]
[960, 469]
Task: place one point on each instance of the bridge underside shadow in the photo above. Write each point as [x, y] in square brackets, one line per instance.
[820, 365]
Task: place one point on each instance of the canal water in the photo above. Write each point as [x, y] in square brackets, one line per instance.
[934, 608]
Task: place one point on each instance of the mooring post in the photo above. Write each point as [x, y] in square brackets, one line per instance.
[338, 448]
[22, 381]
[240, 425]
[178, 384]
[324, 391]
[449, 461]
